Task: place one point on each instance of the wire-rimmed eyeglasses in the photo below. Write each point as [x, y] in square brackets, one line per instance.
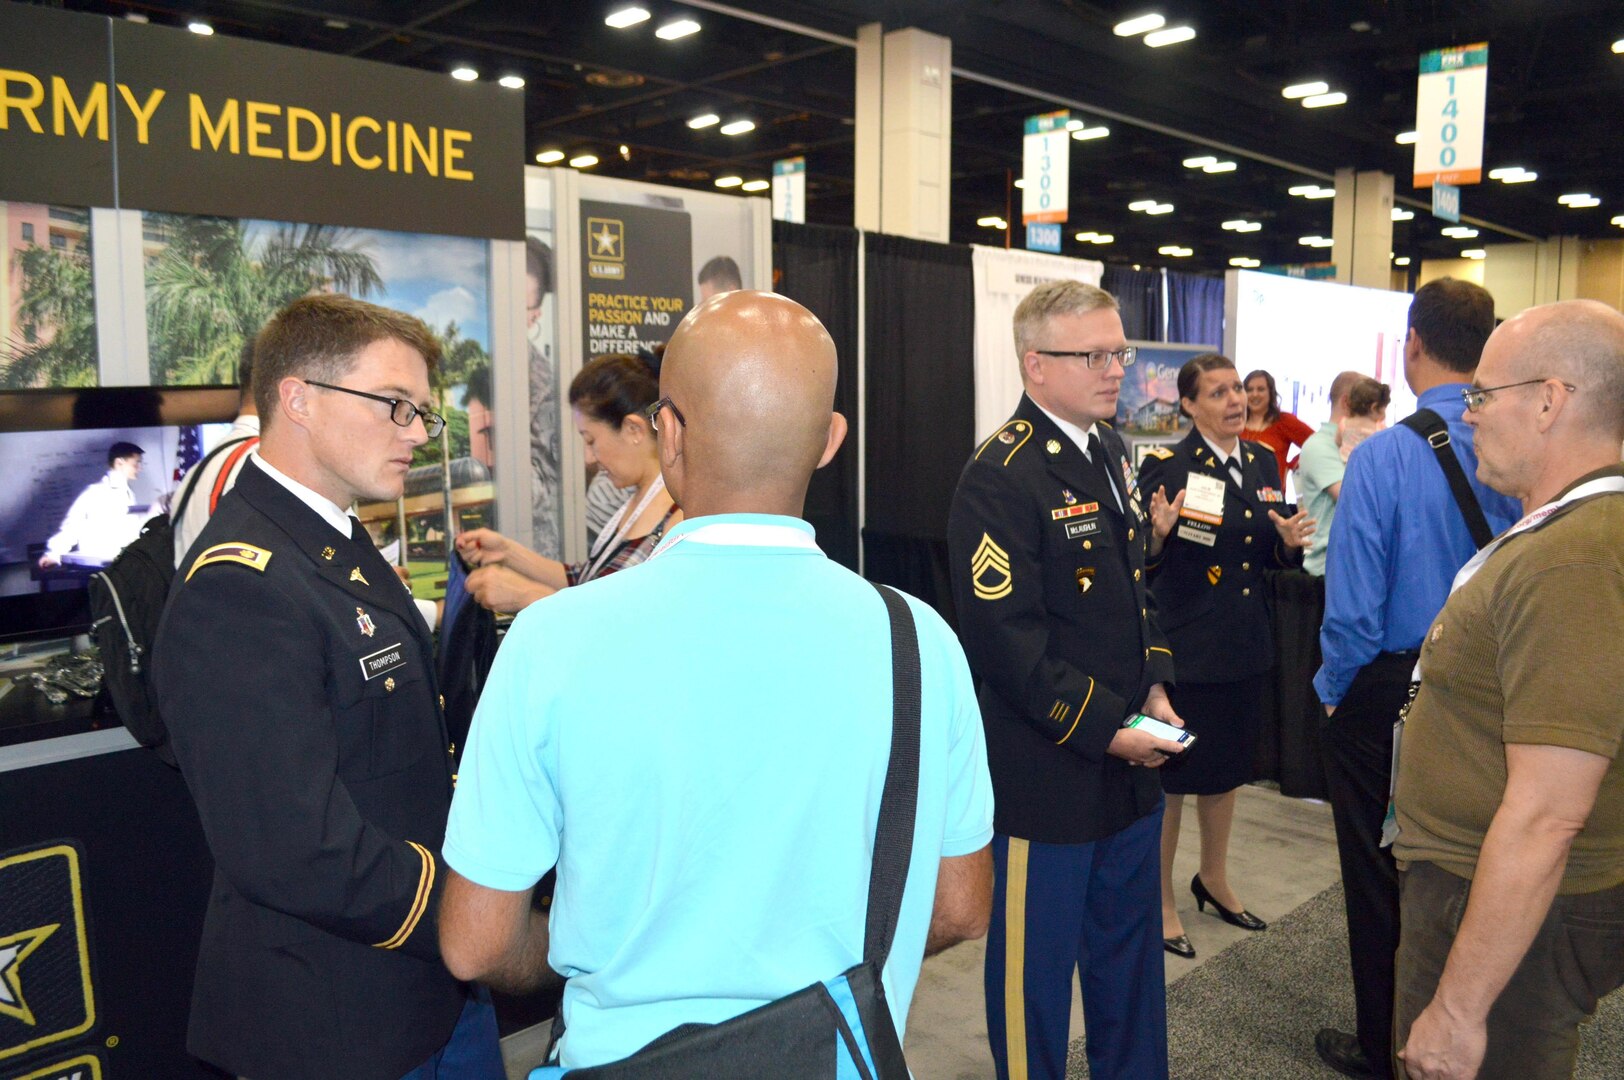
[1478, 396]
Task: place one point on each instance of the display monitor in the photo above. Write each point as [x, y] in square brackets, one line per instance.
[85, 470]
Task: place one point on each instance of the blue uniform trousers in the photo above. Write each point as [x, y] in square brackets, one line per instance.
[1095, 907]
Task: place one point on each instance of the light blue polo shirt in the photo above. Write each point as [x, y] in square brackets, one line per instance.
[1319, 465]
[700, 743]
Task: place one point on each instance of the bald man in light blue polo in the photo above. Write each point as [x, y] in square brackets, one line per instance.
[699, 743]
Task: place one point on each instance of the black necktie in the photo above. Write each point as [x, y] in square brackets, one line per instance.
[1096, 458]
[1235, 470]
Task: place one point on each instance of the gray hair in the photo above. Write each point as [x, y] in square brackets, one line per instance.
[1582, 342]
[1064, 297]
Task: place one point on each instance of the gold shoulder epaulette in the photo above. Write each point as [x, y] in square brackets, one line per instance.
[1160, 453]
[243, 554]
[1012, 436]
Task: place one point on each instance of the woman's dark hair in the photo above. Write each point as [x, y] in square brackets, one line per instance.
[1190, 375]
[611, 388]
[1272, 413]
[1368, 397]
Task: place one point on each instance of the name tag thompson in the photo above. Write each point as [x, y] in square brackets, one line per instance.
[383, 661]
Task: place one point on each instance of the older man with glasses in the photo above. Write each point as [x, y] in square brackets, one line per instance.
[1510, 798]
[296, 677]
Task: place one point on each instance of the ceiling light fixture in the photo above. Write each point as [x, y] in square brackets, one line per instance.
[1141, 205]
[1619, 221]
[1402, 260]
[756, 185]
[704, 120]
[1578, 202]
[512, 82]
[1245, 263]
[1474, 253]
[1219, 167]
[1085, 237]
[1171, 36]
[1302, 189]
[1140, 24]
[1618, 46]
[729, 181]
[1520, 178]
[1103, 238]
[583, 161]
[992, 221]
[1302, 90]
[1160, 208]
[1321, 101]
[197, 26]
[1403, 215]
[1321, 193]
[1315, 241]
[1074, 125]
[1175, 251]
[547, 157]
[1242, 225]
[1406, 138]
[464, 74]
[1099, 131]
[738, 127]
[626, 16]
[1459, 232]
[1020, 185]
[1199, 162]
[681, 28]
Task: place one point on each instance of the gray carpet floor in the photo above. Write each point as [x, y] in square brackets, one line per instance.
[1250, 1012]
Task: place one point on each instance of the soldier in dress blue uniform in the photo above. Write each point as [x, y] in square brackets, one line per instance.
[1047, 537]
[295, 675]
[1210, 542]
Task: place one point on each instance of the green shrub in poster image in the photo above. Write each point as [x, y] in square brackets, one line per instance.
[48, 327]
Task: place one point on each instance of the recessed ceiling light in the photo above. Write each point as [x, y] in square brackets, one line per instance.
[583, 161]
[1359, 26]
[1618, 46]
[738, 127]
[1199, 162]
[1176, 251]
[547, 157]
[1074, 125]
[1085, 237]
[1302, 189]
[464, 74]
[1219, 167]
[197, 26]
[1171, 36]
[1020, 185]
[1244, 262]
[1161, 208]
[1402, 260]
[992, 221]
[1579, 202]
[626, 16]
[1315, 241]
[136, 17]
[681, 28]
[1520, 178]
[1459, 232]
[1321, 193]
[1103, 238]
[1302, 90]
[1320, 101]
[512, 82]
[1619, 221]
[1406, 138]
[756, 185]
[729, 181]
[704, 120]
[1142, 204]
[1098, 131]
[1403, 215]
[1140, 24]
[1474, 253]
[1242, 225]
[335, 24]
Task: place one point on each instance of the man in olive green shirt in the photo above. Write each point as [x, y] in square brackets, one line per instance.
[1510, 798]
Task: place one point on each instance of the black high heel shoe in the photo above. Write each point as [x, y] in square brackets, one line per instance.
[1179, 946]
[1243, 919]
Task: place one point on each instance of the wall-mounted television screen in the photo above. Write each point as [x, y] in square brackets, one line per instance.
[85, 469]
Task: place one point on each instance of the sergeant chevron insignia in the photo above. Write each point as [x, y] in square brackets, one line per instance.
[992, 563]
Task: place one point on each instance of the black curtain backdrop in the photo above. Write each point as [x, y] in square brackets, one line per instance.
[1139, 292]
[921, 408]
[1289, 744]
[816, 266]
[1195, 310]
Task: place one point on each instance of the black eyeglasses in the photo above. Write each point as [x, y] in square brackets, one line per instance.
[1478, 396]
[652, 414]
[401, 411]
[1097, 359]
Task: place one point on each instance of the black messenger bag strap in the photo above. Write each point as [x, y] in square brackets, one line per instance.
[893, 837]
[1431, 427]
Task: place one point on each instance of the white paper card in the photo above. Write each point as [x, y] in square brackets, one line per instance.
[1204, 498]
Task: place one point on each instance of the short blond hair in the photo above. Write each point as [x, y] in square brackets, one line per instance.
[1065, 297]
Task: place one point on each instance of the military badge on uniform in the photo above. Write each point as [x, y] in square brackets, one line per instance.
[1085, 578]
[356, 575]
[1006, 437]
[1053, 446]
[364, 621]
[328, 553]
[989, 571]
[1214, 573]
[255, 558]
[1061, 513]
[1068, 497]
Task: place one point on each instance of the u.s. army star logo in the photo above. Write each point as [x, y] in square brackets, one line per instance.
[989, 571]
[45, 978]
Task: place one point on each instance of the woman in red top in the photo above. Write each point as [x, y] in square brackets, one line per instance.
[1265, 423]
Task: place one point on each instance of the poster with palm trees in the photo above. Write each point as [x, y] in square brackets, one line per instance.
[47, 303]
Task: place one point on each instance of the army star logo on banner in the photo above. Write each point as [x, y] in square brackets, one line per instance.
[992, 562]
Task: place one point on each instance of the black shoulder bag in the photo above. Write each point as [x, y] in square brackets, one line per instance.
[841, 1027]
[1431, 427]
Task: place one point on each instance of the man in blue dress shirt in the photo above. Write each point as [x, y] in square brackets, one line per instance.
[1397, 541]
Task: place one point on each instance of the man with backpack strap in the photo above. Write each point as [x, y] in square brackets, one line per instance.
[213, 477]
[1400, 534]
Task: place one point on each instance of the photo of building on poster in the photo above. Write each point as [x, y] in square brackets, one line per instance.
[47, 302]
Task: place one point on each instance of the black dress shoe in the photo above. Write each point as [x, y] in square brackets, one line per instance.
[1341, 1052]
[1243, 919]
[1179, 946]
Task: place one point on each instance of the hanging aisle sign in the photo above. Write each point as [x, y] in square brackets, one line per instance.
[1446, 202]
[1450, 102]
[1046, 168]
[789, 190]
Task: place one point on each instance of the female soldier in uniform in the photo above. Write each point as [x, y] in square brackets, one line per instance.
[1209, 545]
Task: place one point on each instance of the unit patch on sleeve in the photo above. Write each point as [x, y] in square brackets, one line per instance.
[989, 570]
[247, 555]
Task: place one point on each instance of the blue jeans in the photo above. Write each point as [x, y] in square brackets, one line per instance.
[473, 1052]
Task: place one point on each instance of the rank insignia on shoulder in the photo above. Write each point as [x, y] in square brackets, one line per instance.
[1160, 453]
[1053, 446]
[364, 621]
[242, 554]
[356, 575]
[328, 553]
[989, 570]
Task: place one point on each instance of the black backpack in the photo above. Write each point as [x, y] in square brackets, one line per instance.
[126, 602]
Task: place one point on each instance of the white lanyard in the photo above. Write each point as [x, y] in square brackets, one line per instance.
[738, 534]
[1602, 485]
[615, 530]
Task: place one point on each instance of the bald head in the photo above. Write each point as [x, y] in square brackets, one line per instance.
[1580, 342]
[753, 374]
